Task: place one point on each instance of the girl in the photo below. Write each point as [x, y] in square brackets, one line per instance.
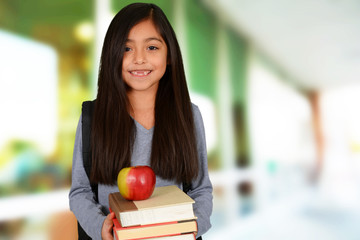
[142, 116]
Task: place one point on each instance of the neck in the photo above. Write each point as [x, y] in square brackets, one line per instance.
[142, 108]
[141, 101]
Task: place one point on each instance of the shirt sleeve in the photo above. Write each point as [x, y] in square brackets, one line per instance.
[81, 198]
[202, 189]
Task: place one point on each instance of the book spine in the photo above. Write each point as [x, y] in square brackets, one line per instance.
[167, 237]
[170, 237]
[154, 237]
[155, 230]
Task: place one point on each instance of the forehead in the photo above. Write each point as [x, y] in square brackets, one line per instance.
[144, 30]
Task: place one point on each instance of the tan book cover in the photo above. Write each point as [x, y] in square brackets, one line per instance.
[154, 230]
[166, 204]
[189, 236]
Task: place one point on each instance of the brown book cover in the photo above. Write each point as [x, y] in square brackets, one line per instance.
[166, 204]
[154, 230]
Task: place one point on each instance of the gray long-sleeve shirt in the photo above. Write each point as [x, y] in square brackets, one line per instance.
[91, 214]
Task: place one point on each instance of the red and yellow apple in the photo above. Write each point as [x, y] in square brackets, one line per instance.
[136, 183]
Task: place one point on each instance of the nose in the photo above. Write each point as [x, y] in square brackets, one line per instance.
[139, 57]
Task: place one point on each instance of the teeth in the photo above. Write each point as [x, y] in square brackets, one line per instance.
[140, 73]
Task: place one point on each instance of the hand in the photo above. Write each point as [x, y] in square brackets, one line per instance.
[106, 230]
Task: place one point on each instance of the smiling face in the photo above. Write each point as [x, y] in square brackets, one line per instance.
[145, 58]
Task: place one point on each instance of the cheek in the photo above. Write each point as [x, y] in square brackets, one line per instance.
[124, 66]
[126, 60]
[162, 62]
[124, 73]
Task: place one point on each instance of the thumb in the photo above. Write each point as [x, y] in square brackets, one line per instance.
[106, 231]
[108, 223]
[109, 218]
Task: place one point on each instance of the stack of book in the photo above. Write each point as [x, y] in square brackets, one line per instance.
[167, 215]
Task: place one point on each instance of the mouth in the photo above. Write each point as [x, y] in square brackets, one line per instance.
[140, 73]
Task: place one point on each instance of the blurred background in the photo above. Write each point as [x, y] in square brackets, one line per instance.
[277, 83]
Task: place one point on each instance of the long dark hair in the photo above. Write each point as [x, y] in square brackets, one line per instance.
[174, 151]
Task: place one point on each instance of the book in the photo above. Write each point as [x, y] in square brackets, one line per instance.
[186, 236]
[166, 204]
[154, 230]
[189, 236]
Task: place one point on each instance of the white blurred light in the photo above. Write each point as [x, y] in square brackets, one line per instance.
[340, 176]
[28, 92]
[280, 118]
[103, 18]
[84, 31]
[33, 205]
[207, 110]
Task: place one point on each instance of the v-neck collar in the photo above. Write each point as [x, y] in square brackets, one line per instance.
[142, 128]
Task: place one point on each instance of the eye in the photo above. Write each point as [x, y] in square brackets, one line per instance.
[152, 48]
[127, 49]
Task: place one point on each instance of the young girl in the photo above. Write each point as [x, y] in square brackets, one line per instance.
[142, 116]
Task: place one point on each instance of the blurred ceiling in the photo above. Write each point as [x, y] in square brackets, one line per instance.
[317, 43]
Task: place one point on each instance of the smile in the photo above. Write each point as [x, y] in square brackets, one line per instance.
[140, 73]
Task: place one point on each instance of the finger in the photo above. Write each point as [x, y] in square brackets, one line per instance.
[107, 227]
[109, 217]
[108, 221]
[107, 236]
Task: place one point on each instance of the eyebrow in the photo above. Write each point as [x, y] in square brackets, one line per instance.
[147, 39]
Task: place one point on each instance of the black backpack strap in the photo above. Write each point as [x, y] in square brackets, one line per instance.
[81, 233]
[87, 112]
[186, 189]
